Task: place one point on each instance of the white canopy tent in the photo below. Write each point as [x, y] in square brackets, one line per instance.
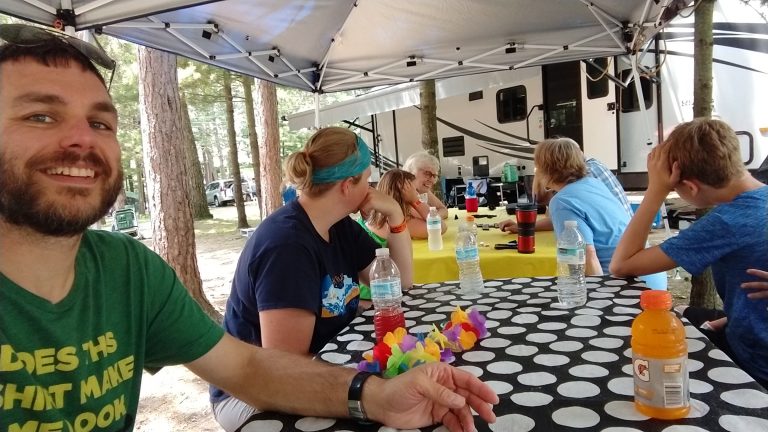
[334, 45]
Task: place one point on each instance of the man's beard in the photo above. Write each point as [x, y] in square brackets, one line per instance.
[23, 202]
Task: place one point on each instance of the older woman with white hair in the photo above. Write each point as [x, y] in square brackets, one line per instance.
[426, 168]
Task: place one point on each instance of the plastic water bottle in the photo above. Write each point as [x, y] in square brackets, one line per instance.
[434, 230]
[468, 258]
[386, 295]
[660, 359]
[571, 260]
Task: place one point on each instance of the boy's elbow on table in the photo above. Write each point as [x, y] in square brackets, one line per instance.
[618, 268]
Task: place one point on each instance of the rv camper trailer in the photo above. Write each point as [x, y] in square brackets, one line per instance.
[503, 114]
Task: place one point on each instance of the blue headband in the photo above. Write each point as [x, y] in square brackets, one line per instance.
[353, 165]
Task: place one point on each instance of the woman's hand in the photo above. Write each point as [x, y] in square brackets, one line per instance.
[410, 194]
[380, 202]
[508, 226]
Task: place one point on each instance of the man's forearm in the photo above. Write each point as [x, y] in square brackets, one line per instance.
[278, 381]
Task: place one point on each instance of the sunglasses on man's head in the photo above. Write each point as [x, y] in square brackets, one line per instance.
[26, 35]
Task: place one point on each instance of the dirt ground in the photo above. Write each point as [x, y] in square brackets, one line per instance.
[176, 400]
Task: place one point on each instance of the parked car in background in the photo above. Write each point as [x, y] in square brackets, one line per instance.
[217, 192]
[221, 192]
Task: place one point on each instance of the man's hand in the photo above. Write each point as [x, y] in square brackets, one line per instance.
[430, 394]
[760, 287]
[508, 226]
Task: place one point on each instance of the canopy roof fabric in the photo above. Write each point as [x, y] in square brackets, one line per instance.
[334, 45]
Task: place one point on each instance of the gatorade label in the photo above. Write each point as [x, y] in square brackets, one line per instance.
[661, 383]
[571, 256]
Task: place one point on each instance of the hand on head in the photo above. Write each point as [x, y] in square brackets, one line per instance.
[410, 193]
[433, 393]
[662, 176]
[380, 202]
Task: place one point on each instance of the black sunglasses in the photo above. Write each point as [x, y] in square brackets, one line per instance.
[26, 35]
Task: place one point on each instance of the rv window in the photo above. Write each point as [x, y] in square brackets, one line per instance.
[511, 104]
[629, 96]
[453, 146]
[597, 81]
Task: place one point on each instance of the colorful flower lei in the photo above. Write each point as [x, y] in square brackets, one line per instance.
[399, 351]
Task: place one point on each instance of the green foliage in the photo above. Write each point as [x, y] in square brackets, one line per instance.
[125, 96]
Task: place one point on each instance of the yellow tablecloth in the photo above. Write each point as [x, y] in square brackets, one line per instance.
[439, 266]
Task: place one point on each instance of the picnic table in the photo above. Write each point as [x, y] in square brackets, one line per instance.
[553, 368]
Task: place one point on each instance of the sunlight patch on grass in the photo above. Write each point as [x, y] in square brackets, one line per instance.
[215, 226]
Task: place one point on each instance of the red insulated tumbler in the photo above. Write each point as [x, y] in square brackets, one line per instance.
[526, 228]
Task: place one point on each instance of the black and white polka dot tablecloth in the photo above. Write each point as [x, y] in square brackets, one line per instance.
[555, 369]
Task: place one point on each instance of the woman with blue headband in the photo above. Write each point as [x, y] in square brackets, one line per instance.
[297, 281]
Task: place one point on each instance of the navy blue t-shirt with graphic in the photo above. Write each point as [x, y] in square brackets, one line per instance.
[286, 264]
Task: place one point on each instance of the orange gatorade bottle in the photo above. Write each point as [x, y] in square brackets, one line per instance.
[659, 359]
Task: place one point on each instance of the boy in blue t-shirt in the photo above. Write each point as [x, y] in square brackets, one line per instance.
[701, 161]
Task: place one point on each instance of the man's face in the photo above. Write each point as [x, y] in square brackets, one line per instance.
[59, 157]
[426, 176]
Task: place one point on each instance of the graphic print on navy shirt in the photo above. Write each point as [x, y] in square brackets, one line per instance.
[339, 294]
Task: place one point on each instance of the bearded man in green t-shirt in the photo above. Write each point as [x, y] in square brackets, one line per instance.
[83, 312]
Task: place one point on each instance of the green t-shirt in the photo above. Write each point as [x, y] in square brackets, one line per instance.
[76, 365]
[365, 290]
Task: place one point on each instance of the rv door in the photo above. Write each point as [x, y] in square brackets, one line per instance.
[580, 103]
[598, 98]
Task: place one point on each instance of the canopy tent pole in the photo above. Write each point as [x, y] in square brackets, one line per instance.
[596, 11]
[317, 110]
[334, 41]
[555, 50]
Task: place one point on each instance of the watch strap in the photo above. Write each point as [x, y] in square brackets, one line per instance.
[355, 395]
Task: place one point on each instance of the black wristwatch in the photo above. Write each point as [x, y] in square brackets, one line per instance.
[354, 403]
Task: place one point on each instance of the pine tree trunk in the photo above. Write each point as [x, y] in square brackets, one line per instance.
[173, 230]
[195, 185]
[702, 59]
[140, 187]
[253, 139]
[234, 163]
[428, 103]
[120, 200]
[222, 172]
[703, 292]
[269, 145]
[210, 170]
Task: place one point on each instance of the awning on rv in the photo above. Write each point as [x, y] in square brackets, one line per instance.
[391, 98]
[333, 45]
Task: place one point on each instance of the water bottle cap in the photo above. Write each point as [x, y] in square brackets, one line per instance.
[382, 252]
[470, 218]
[433, 208]
[571, 223]
[656, 299]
